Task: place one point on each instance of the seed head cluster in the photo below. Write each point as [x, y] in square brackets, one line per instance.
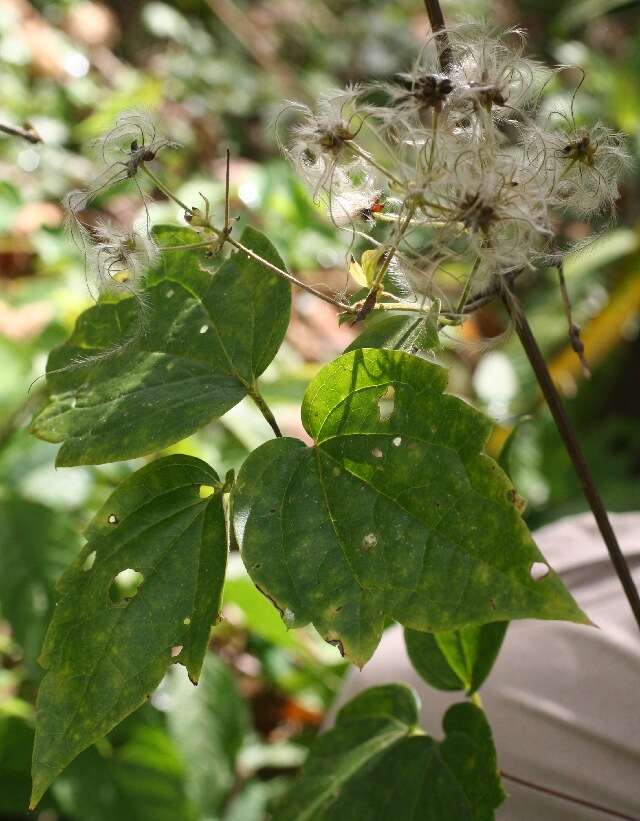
[116, 259]
[462, 162]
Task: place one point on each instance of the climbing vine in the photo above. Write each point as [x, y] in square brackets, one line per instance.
[448, 183]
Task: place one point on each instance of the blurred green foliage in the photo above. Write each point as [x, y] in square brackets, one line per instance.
[216, 73]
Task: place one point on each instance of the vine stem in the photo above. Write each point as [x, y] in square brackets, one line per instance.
[265, 410]
[551, 395]
[467, 288]
[570, 439]
[29, 134]
[224, 236]
[566, 797]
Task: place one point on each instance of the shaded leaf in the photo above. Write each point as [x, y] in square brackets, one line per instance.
[208, 337]
[141, 780]
[395, 513]
[456, 659]
[376, 764]
[36, 544]
[104, 658]
[16, 742]
[208, 724]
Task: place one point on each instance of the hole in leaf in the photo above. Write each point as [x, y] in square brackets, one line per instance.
[125, 585]
[186, 621]
[204, 329]
[369, 541]
[377, 453]
[175, 651]
[206, 491]
[386, 403]
[88, 562]
[170, 293]
[112, 519]
[396, 441]
[538, 571]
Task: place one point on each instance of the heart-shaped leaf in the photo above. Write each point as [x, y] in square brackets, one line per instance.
[117, 391]
[456, 659]
[376, 764]
[395, 513]
[109, 645]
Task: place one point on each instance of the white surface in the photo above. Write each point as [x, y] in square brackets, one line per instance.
[563, 700]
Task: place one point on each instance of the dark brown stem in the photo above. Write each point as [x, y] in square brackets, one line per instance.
[570, 439]
[574, 330]
[29, 134]
[436, 19]
[554, 401]
[565, 797]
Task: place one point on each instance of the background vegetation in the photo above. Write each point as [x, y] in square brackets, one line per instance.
[216, 72]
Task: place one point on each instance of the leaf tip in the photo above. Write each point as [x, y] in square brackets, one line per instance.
[39, 786]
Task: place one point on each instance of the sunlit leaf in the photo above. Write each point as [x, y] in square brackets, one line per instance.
[394, 513]
[377, 764]
[209, 335]
[107, 647]
[401, 332]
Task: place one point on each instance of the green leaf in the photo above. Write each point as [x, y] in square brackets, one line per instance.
[395, 513]
[208, 724]
[401, 332]
[16, 742]
[36, 544]
[140, 780]
[456, 659]
[208, 337]
[376, 764]
[105, 654]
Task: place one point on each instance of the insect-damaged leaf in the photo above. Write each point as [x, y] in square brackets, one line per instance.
[456, 659]
[105, 653]
[376, 764]
[395, 513]
[207, 337]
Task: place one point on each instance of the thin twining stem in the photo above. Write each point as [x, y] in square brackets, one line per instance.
[566, 797]
[467, 287]
[29, 134]
[402, 228]
[158, 182]
[368, 158]
[223, 236]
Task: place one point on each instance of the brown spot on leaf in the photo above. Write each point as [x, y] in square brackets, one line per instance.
[272, 600]
[336, 643]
